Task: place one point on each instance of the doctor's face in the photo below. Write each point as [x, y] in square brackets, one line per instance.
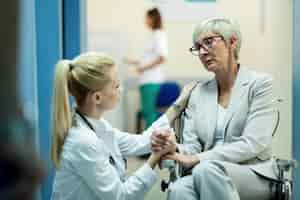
[110, 94]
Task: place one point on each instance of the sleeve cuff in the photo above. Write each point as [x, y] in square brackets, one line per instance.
[161, 123]
[147, 175]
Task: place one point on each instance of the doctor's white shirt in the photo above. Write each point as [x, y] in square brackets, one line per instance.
[92, 165]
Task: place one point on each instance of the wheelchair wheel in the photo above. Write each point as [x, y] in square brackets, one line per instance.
[282, 190]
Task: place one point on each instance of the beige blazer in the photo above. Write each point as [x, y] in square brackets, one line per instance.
[250, 121]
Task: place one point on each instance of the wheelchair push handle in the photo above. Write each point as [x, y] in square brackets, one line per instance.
[286, 165]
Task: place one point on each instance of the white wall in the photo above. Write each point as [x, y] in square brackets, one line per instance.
[269, 51]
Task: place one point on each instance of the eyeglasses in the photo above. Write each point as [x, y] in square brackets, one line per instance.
[206, 44]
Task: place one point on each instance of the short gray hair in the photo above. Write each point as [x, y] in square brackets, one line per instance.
[223, 26]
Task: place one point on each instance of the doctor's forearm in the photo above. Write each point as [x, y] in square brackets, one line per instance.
[153, 160]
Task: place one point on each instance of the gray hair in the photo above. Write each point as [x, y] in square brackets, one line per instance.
[223, 26]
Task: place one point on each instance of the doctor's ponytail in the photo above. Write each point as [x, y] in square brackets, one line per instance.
[61, 111]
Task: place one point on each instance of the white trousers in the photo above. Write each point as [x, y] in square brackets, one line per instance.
[215, 180]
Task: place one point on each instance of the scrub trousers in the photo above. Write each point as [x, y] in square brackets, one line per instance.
[215, 180]
[148, 94]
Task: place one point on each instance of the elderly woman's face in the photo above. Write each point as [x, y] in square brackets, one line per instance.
[213, 51]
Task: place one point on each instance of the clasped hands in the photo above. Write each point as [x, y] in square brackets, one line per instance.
[163, 141]
[163, 144]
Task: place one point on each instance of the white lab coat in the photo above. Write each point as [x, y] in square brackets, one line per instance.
[86, 170]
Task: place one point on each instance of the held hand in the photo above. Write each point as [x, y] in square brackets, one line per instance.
[158, 140]
[186, 160]
[170, 147]
[161, 144]
[163, 141]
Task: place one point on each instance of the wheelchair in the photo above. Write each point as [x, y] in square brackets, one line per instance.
[281, 188]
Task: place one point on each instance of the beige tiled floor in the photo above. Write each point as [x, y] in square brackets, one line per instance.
[155, 193]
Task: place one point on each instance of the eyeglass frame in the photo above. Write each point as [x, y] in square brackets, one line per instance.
[206, 47]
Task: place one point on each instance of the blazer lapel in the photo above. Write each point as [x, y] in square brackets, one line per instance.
[211, 105]
[238, 91]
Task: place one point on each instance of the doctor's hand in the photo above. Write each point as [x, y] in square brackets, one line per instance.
[163, 141]
[187, 161]
[161, 144]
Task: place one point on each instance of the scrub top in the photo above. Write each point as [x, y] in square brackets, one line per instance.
[157, 46]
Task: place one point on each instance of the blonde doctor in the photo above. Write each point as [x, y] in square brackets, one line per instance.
[87, 151]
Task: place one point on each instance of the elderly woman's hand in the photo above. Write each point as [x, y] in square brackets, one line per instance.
[163, 141]
[186, 160]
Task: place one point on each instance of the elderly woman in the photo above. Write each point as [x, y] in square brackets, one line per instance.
[229, 125]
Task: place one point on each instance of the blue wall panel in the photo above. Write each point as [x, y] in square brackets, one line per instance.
[26, 66]
[296, 97]
[27, 61]
[49, 51]
[71, 28]
[58, 36]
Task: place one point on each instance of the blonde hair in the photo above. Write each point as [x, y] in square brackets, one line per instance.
[87, 72]
[222, 26]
